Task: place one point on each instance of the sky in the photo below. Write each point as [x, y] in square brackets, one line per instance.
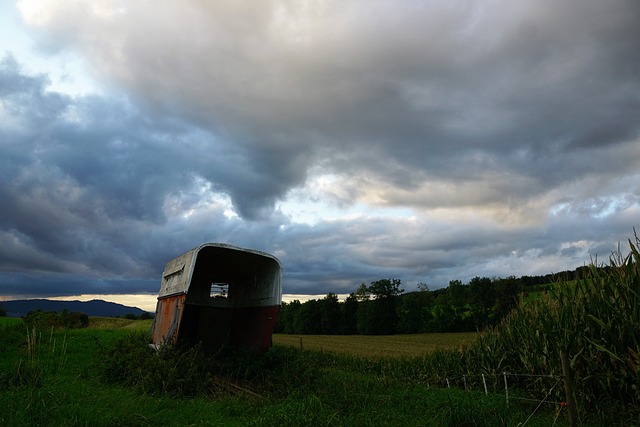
[354, 140]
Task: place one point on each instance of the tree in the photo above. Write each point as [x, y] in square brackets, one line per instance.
[422, 287]
[482, 299]
[450, 312]
[311, 317]
[383, 318]
[348, 315]
[76, 320]
[363, 318]
[385, 288]
[330, 314]
[409, 312]
[506, 297]
[145, 316]
[293, 323]
[445, 318]
[362, 293]
[414, 312]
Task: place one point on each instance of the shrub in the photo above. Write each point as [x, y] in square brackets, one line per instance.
[44, 320]
[171, 370]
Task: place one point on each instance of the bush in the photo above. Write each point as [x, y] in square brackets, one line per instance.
[43, 320]
[171, 370]
[187, 371]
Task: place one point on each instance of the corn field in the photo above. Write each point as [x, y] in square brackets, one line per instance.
[595, 321]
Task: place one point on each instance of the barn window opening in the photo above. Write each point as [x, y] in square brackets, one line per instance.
[219, 290]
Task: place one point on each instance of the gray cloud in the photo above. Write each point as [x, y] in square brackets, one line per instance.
[499, 86]
[508, 131]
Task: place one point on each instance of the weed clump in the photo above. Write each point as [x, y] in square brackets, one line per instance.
[187, 371]
[171, 370]
[39, 356]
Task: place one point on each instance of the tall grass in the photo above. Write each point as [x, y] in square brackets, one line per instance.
[42, 356]
[594, 320]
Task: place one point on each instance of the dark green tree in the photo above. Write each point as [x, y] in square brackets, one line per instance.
[145, 315]
[383, 318]
[445, 318]
[364, 316]
[362, 293]
[414, 312]
[349, 315]
[294, 319]
[507, 291]
[330, 315]
[385, 288]
[311, 317]
[482, 298]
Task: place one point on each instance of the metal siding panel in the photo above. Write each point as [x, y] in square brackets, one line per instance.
[168, 317]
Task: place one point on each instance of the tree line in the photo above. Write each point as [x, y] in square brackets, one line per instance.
[382, 307]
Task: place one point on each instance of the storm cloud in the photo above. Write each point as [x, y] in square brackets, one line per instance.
[354, 140]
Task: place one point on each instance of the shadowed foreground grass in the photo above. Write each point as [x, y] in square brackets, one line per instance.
[62, 378]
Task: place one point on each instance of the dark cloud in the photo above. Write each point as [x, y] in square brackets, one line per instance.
[411, 93]
[505, 134]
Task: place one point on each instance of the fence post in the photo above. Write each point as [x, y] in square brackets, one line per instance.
[568, 389]
[506, 389]
[484, 381]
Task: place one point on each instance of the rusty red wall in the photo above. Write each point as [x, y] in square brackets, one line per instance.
[168, 318]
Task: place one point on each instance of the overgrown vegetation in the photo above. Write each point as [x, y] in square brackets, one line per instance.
[594, 320]
[111, 377]
[43, 320]
[290, 386]
[42, 355]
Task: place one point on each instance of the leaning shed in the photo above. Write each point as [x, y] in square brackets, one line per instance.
[220, 295]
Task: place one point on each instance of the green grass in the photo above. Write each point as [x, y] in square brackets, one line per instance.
[286, 387]
[9, 321]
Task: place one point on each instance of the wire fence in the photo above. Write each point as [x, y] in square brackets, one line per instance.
[535, 389]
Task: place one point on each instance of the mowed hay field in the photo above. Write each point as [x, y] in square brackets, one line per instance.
[119, 323]
[378, 345]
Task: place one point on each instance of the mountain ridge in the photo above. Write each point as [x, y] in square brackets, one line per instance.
[95, 307]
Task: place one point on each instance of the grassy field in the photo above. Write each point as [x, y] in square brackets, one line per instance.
[378, 346]
[8, 321]
[119, 323]
[59, 378]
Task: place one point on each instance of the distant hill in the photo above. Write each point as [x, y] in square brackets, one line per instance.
[19, 308]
